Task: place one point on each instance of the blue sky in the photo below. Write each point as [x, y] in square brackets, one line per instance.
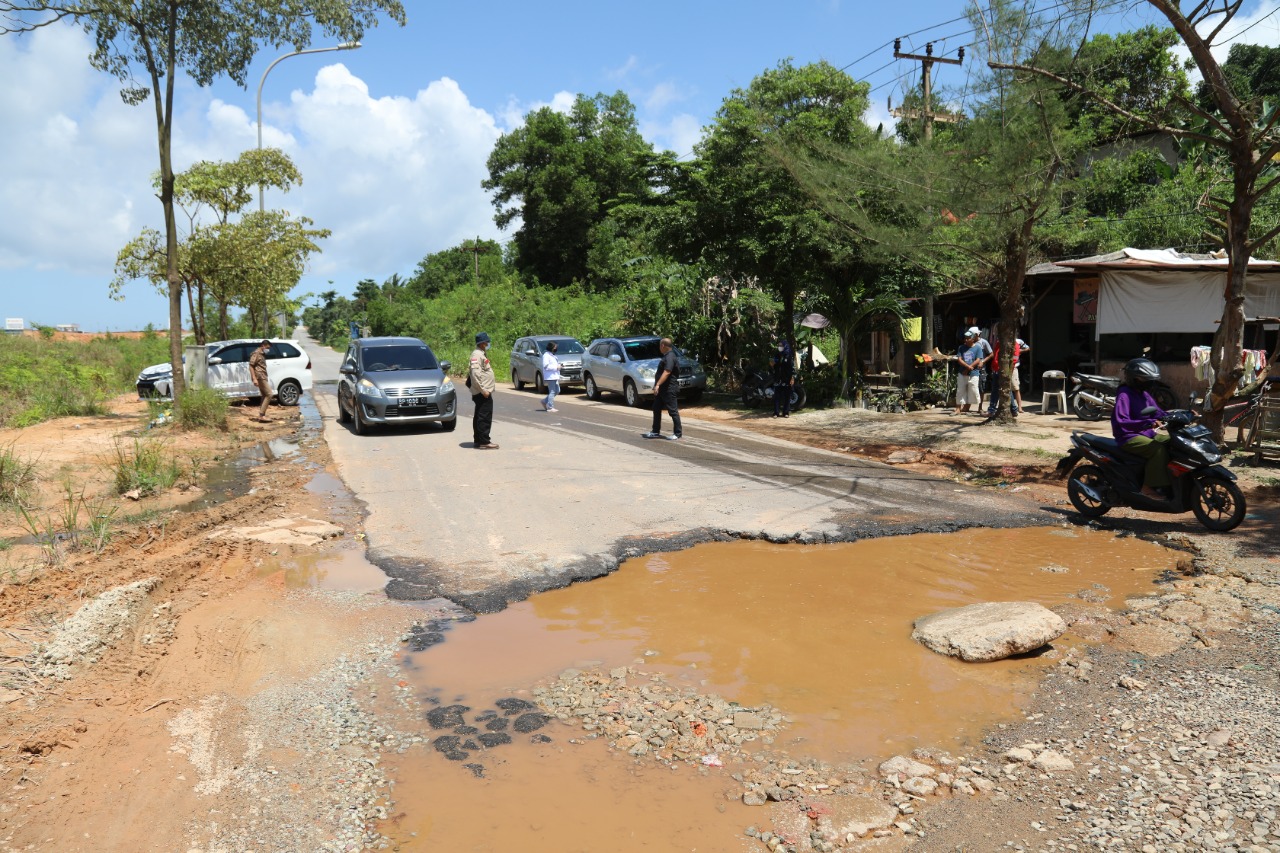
[392, 138]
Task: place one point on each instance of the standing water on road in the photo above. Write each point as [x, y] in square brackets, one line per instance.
[820, 633]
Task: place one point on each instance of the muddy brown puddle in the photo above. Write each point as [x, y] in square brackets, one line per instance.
[822, 633]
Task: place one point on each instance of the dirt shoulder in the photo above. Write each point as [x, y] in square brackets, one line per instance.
[154, 679]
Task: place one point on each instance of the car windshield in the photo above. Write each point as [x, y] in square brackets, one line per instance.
[642, 350]
[399, 357]
[564, 346]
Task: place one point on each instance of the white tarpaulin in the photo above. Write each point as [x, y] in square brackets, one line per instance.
[1182, 301]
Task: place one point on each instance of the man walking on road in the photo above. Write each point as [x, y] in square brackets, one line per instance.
[258, 367]
[665, 389]
[481, 381]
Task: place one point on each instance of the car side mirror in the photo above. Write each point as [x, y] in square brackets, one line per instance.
[215, 360]
[531, 352]
[445, 365]
[347, 369]
[615, 357]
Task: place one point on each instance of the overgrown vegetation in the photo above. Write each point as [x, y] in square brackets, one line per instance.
[202, 408]
[42, 379]
[144, 465]
[17, 477]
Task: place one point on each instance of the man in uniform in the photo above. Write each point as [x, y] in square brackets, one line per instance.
[482, 383]
[258, 367]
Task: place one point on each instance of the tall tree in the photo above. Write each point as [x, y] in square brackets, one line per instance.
[560, 174]
[204, 39]
[1243, 132]
[749, 216]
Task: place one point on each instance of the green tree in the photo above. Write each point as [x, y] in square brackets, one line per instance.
[1253, 73]
[747, 215]
[1242, 133]
[441, 272]
[560, 174]
[203, 39]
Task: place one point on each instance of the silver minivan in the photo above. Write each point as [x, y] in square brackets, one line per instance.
[395, 381]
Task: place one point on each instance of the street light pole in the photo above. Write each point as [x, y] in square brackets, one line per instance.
[350, 45]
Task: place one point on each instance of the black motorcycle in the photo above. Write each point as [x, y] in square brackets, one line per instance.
[757, 389]
[1113, 477]
[1094, 397]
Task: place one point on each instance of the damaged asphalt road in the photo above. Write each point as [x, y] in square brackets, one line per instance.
[573, 492]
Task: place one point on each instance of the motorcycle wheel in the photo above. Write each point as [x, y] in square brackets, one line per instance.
[1165, 398]
[1085, 410]
[1218, 505]
[798, 397]
[747, 400]
[1091, 476]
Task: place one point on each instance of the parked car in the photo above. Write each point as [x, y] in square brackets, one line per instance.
[288, 369]
[629, 367]
[395, 381]
[526, 361]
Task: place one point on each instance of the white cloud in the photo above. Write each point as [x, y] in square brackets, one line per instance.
[78, 157]
[678, 133]
[878, 114]
[663, 95]
[393, 177]
[512, 115]
[623, 70]
[1261, 26]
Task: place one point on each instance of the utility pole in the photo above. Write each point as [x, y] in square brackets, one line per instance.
[475, 249]
[929, 115]
[927, 112]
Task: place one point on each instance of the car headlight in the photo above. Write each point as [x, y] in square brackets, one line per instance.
[647, 373]
[446, 386]
[368, 388]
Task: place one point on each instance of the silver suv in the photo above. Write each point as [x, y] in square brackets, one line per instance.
[395, 381]
[629, 366]
[526, 361]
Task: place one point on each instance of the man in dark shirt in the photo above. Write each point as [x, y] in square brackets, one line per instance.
[665, 388]
[784, 378]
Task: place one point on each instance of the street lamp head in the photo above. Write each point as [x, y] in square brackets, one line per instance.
[350, 45]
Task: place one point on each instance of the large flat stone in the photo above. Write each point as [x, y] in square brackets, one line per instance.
[989, 631]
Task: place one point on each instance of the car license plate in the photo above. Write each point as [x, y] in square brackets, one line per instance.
[411, 401]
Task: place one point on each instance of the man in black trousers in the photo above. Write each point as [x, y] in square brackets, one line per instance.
[664, 392]
[481, 380]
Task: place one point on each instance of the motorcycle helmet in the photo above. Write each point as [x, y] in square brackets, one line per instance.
[1141, 372]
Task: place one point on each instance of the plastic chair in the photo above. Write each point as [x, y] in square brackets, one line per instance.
[1054, 383]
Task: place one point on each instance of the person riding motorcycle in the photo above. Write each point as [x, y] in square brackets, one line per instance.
[1136, 432]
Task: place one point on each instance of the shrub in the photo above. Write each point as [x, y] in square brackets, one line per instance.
[42, 379]
[17, 477]
[144, 465]
[202, 408]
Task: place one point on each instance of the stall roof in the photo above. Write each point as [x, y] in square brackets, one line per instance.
[1138, 259]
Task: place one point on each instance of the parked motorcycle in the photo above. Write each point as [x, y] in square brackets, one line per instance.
[1094, 397]
[1112, 477]
[757, 389]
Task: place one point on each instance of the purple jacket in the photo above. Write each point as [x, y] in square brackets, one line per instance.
[1127, 420]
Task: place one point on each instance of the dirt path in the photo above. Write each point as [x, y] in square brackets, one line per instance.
[151, 721]
[209, 700]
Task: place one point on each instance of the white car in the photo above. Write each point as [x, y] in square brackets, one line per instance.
[288, 369]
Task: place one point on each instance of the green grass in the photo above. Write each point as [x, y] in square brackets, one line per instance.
[144, 465]
[42, 379]
[202, 408]
[17, 477]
